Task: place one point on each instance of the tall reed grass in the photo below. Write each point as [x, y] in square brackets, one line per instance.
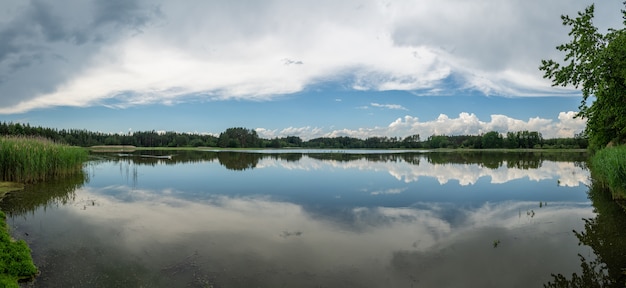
[609, 166]
[30, 159]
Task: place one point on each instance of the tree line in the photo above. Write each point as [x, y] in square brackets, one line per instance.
[239, 137]
[85, 138]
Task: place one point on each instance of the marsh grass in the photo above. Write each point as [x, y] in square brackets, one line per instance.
[30, 160]
[609, 166]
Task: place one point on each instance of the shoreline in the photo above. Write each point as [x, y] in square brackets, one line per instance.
[130, 148]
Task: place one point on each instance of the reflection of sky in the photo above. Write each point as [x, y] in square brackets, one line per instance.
[324, 223]
[566, 173]
[372, 247]
[315, 183]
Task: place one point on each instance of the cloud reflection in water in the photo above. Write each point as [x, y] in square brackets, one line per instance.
[376, 246]
[566, 173]
[312, 222]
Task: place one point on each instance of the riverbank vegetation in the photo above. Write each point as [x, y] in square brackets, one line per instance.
[609, 167]
[32, 159]
[29, 160]
[16, 262]
[239, 137]
[596, 62]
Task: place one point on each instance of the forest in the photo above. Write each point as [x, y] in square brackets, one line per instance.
[239, 137]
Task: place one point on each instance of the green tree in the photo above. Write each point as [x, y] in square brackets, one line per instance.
[412, 141]
[239, 137]
[595, 62]
[492, 139]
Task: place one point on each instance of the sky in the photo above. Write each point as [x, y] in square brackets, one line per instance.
[322, 68]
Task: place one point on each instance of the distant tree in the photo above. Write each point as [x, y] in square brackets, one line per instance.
[438, 141]
[492, 139]
[239, 137]
[275, 143]
[293, 141]
[412, 141]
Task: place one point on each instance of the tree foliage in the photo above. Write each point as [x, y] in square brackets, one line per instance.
[238, 137]
[595, 63]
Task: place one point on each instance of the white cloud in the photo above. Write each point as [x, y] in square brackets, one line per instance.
[306, 132]
[389, 106]
[162, 51]
[464, 124]
[389, 191]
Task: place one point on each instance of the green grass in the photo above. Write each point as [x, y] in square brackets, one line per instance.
[15, 260]
[609, 166]
[29, 160]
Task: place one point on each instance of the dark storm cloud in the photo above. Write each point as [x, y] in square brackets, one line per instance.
[50, 25]
[123, 13]
[44, 43]
[495, 35]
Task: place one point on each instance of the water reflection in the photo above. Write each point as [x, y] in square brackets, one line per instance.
[605, 234]
[300, 220]
[466, 167]
[238, 161]
[249, 158]
[245, 241]
[569, 174]
[50, 194]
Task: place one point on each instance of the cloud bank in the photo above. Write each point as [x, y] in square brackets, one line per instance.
[122, 53]
[567, 126]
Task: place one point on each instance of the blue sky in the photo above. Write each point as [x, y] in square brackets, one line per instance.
[304, 68]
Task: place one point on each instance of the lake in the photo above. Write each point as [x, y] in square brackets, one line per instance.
[308, 218]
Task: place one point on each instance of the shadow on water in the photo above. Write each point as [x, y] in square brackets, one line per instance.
[605, 234]
[50, 193]
[512, 159]
[249, 159]
[238, 161]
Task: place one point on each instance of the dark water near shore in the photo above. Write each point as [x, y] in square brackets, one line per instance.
[308, 219]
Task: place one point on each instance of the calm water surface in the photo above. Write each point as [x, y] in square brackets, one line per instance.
[308, 219]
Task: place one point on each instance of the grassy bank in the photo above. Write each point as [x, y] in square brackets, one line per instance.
[15, 260]
[609, 167]
[29, 160]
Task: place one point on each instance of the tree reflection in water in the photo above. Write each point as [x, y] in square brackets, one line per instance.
[605, 234]
[52, 192]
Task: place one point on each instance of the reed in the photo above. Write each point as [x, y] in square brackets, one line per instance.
[31, 159]
[609, 166]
